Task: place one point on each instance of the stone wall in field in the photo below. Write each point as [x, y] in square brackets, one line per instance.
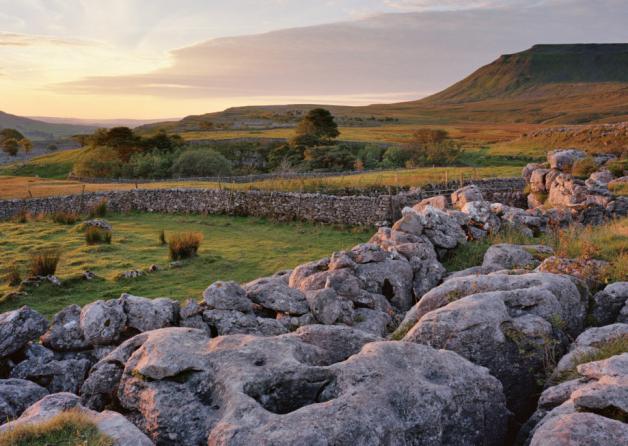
[283, 206]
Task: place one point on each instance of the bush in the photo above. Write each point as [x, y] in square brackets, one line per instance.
[433, 147]
[184, 245]
[65, 218]
[70, 428]
[617, 167]
[99, 209]
[95, 235]
[329, 158]
[201, 163]
[395, 156]
[583, 167]
[13, 276]
[98, 162]
[44, 263]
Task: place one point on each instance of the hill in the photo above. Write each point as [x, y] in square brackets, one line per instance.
[39, 130]
[546, 84]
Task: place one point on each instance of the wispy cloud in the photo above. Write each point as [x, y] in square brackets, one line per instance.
[17, 39]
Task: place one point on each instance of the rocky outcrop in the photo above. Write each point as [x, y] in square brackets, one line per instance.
[181, 387]
[18, 327]
[462, 196]
[608, 303]
[507, 323]
[592, 406]
[509, 256]
[564, 159]
[111, 424]
[16, 395]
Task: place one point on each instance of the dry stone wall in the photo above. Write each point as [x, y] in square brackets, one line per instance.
[284, 206]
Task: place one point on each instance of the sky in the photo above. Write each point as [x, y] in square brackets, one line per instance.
[164, 59]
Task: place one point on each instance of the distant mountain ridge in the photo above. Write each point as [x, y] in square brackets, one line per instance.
[550, 84]
[39, 130]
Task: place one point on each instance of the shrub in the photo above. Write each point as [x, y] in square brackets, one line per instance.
[44, 262]
[13, 276]
[617, 167]
[433, 147]
[65, 218]
[70, 428]
[184, 245]
[583, 167]
[95, 235]
[99, 209]
[201, 163]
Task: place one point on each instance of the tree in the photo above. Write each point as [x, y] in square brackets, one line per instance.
[329, 158]
[318, 125]
[432, 147]
[201, 163]
[10, 146]
[395, 156]
[52, 148]
[26, 145]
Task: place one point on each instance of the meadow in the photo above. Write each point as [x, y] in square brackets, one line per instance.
[234, 248]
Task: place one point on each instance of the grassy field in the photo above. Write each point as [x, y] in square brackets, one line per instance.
[25, 187]
[234, 248]
[55, 165]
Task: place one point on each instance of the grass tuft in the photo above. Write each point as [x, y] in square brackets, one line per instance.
[99, 209]
[70, 428]
[95, 235]
[44, 262]
[13, 276]
[65, 218]
[184, 245]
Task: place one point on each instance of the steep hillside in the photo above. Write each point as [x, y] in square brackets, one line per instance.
[39, 130]
[548, 84]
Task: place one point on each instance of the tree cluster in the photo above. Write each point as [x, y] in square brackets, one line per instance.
[11, 141]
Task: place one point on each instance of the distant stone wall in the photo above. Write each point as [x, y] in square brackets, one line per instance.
[283, 206]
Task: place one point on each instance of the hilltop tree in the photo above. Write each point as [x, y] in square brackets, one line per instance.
[316, 127]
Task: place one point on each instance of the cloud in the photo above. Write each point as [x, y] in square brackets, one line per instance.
[17, 39]
[385, 54]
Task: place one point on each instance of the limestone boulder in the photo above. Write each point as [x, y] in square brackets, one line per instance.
[537, 180]
[275, 294]
[103, 322]
[509, 256]
[65, 333]
[600, 178]
[564, 159]
[144, 314]
[227, 296]
[481, 216]
[328, 308]
[526, 172]
[115, 426]
[608, 303]
[18, 327]
[466, 194]
[438, 202]
[590, 271]
[441, 229]
[507, 323]
[318, 385]
[226, 322]
[16, 395]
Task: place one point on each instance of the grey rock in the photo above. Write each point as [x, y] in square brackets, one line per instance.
[441, 229]
[371, 321]
[299, 389]
[16, 395]
[225, 322]
[65, 333]
[227, 296]
[98, 223]
[121, 431]
[144, 314]
[507, 323]
[409, 223]
[393, 279]
[328, 308]
[103, 322]
[526, 172]
[474, 271]
[537, 180]
[564, 159]
[481, 216]
[510, 256]
[580, 429]
[466, 194]
[274, 294]
[18, 327]
[607, 304]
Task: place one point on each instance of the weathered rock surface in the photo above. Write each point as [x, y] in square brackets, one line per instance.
[103, 322]
[507, 323]
[273, 293]
[180, 387]
[121, 431]
[584, 411]
[16, 395]
[608, 303]
[564, 159]
[18, 327]
[144, 314]
[466, 194]
[590, 271]
[509, 256]
[65, 333]
[227, 296]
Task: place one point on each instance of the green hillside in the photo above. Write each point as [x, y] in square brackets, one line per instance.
[39, 130]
